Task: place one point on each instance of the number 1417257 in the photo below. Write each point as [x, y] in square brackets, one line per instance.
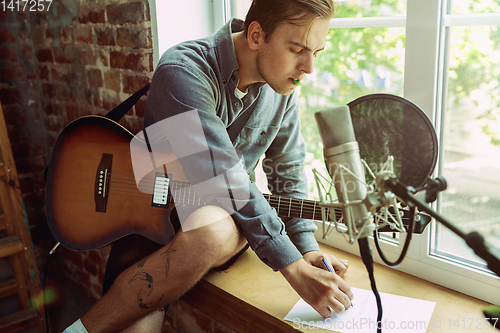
[25, 5]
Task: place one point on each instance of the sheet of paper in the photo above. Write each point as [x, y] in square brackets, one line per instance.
[400, 314]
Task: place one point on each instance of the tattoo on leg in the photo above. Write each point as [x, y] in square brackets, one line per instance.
[142, 299]
[168, 252]
[236, 232]
[141, 263]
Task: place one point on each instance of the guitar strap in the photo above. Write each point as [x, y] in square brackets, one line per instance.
[235, 128]
[118, 112]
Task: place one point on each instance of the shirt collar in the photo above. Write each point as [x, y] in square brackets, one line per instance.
[225, 49]
[228, 64]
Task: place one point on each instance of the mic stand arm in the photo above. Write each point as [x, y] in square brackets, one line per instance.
[474, 240]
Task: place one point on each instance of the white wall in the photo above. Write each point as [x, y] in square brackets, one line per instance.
[174, 21]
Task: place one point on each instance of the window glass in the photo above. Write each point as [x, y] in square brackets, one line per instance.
[474, 6]
[356, 62]
[471, 139]
[370, 8]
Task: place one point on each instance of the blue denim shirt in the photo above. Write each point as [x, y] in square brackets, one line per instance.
[201, 75]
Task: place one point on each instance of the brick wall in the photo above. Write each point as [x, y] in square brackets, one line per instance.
[79, 58]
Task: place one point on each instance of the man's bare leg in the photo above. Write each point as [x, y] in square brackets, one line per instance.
[166, 274]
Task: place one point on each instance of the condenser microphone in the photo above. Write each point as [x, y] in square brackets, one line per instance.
[341, 152]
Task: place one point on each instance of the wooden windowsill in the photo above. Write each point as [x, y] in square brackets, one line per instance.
[250, 297]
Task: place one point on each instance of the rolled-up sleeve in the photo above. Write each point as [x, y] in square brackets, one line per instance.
[284, 168]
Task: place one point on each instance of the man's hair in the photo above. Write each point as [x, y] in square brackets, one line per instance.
[271, 13]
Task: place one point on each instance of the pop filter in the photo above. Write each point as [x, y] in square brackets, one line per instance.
[387, 125]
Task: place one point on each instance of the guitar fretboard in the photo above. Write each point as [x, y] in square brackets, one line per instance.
[182, 193]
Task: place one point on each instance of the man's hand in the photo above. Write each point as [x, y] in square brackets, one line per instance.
[318, 287]
[339, 265]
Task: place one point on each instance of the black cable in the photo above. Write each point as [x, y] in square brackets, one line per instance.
[44, 280]
[366, 256]
[43, 293]
[409, 234]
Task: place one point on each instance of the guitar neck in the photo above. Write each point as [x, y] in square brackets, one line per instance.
[183, 194]
[299, 208]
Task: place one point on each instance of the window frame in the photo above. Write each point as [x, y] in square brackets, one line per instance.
[425, 71]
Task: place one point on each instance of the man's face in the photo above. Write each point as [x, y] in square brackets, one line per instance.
[290, 53]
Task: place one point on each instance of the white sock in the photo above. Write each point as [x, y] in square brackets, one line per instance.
[76, 327]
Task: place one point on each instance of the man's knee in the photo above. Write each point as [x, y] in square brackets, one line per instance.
[215, 228]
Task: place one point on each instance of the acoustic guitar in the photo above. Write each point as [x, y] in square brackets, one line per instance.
[92, 197]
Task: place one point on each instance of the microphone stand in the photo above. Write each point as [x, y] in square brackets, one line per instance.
[474, 240]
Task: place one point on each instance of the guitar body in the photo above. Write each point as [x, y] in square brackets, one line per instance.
[71, 189]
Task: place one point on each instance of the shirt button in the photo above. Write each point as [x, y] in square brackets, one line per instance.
[237, 104]
[263, 132]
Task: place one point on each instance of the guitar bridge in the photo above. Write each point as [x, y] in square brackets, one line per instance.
[161, 190]
[101, 187]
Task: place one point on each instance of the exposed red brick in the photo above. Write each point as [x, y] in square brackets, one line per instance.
[5, 17]
[112, 81]
[137, 62]
[98, 16]
[8, 53]
[86, 56]
[84, 34]
[62, 93]
[27, 52]
[105, 36]
[49, 34]
[63, 55]
[26, 185]
[92, 16]
[96, 98]
[44, 73]
[129, 12]
[132, 83]
[104, 57]
[12, 73]
[14, 114]
[49, 90]
[45, 55]
[6, 36]
[33, 164]
[95, 77]
[9, 96]
[21, 15]
[66, 36]
[72, 111]
[39, 36]
[134, 37]
[109, 102]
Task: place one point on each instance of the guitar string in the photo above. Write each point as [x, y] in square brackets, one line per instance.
[299, 207]
[306, 207]
[305, 204]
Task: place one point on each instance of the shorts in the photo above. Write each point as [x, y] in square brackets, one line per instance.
[130, 249]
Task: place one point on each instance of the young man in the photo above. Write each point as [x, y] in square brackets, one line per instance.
[208, 84]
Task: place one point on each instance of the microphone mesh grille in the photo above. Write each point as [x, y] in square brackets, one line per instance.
[391, 125]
